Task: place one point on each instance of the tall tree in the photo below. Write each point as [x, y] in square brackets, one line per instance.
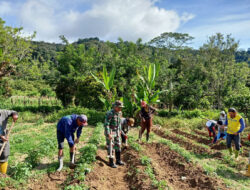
[14, 49]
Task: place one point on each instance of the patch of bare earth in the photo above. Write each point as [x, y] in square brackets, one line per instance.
[188, 145]
[130, 176]
[179, 174]
[51, 181]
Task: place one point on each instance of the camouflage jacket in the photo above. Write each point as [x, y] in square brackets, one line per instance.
[112, 121]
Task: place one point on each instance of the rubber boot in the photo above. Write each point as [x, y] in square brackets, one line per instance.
[72, 160]
[3, 167]
[118, 159]
[139, 136]
[111, 163]
[230, 151]
[237, 154]
[60, 159]
[147, 137]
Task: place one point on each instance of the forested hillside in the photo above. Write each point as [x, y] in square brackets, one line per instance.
[213, 76]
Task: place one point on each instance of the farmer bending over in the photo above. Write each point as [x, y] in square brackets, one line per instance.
[146, 115]
[222, 133]
[235, 125]
[66, 128]
[4, 115]
[126, 124]
[210, 125]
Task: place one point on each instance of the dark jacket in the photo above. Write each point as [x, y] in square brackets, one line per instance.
[67, 125]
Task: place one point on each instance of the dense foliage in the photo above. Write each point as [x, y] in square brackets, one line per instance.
[214, 76]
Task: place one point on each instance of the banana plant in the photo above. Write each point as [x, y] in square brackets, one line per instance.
[146, 90]
[108, 82]
[130, 106]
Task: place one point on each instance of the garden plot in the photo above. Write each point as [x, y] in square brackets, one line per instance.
[173, 159]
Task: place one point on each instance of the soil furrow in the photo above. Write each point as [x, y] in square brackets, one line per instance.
[188, 145]
[130, 176]
[177, 172]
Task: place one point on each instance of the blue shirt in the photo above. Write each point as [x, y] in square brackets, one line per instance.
[67, 125]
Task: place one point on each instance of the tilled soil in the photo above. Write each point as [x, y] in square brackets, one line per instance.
[243, 140]
[49, 182]
[203, 133]
[187, 144]
[178, 173]
[199, 132]
[192, 137]
[103, 177]
[206, 141]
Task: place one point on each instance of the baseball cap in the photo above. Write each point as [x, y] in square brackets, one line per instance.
[83, 118]
[118, 103]
[222, 112]
[232, 110]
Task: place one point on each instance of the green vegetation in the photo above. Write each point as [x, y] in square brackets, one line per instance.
[146, 161]
[45, 82]
[207, 78]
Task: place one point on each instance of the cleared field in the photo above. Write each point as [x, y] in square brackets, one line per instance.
[173, 159]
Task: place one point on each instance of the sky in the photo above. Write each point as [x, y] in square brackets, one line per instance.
[129, 19]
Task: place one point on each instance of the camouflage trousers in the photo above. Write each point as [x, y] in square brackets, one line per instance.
[116, 142]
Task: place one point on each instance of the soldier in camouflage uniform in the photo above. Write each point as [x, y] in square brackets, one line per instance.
[113, 133]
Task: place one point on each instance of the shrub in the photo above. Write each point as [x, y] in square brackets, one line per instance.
[93, 116]
[36, 154]
[189, 114]
[37, 109]
[166, 113]
[88, 154]
[192, 114]
[20, 171]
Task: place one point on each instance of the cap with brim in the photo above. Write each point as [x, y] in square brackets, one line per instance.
[118, 104]
[222, 112]
[232, 110]
[83, 118]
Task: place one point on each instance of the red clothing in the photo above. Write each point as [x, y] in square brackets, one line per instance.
[147, 124]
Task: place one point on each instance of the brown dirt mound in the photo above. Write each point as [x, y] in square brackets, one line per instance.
[219, 147]
[191, 136]
[199, 132]
[243, 140]
[136, 176]
[124, 177]
[188, 145]
[3, 175]
[179, 173]
[49, 181]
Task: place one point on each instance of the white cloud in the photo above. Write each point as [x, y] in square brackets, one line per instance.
[234, 17]
[186, 17]
[5, 8]
[106, 19]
